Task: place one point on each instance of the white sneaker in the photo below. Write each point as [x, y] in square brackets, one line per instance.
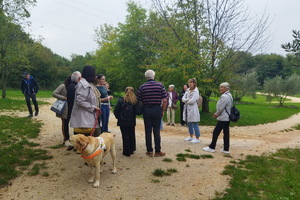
[188, 139]
[223, 151]
[195, 140]
[208, 149]
[67, 143]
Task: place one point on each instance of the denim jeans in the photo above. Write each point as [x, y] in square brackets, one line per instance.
[194, 128]
[105, 117]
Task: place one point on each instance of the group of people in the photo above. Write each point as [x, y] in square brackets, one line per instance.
[88, 109]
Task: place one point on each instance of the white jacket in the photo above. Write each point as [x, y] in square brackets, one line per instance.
[225, 102]
[191, 111]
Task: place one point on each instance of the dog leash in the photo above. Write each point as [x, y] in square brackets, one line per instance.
[96, 120]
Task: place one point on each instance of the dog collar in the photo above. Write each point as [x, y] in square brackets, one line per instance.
[99, 150]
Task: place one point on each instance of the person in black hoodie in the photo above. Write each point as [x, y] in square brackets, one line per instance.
[30, 88]
[125, 111]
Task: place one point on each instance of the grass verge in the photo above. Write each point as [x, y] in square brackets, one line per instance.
[17, 153]
[274, 176]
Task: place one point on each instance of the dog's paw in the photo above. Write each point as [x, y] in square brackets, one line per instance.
[96, 184]
[91, 180]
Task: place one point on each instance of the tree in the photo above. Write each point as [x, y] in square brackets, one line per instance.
[244, 84]
[12, 36]
[217, 30]
[280, 88]
[294, 48]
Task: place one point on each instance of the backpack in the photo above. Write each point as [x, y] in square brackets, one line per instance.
[126, 112]
[234, 114]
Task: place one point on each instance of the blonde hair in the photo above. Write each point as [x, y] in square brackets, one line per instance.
[130, 96]
[193, 80]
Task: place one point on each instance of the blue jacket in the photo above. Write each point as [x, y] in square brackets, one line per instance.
[29, 86]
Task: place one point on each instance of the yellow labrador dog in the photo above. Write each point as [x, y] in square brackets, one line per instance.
[93, 150]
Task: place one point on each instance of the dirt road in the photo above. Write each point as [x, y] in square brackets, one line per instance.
[195, 179]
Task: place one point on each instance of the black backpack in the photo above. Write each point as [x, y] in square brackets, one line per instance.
[234, 114]
[126, 112]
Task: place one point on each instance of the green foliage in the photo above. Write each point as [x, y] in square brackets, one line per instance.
[272, 176]
[280, 88]
[167, 160]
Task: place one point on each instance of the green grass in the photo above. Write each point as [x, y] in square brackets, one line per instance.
[167, 160]
[160, 172]
[297, 127]
[17, 153]
[274, 176]
[13, 93]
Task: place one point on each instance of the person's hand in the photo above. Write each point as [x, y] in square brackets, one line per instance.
[216, 115]
[109, 97]
[162, 114]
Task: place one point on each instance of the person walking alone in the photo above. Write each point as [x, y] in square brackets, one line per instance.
[30, 89]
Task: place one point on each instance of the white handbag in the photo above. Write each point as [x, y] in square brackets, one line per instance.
[59, 106]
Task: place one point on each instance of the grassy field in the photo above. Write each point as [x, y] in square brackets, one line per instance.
[274, 176]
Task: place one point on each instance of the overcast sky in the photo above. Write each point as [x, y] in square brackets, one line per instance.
[68, 26]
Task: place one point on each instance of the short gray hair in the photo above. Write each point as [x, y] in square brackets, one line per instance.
[149, 74]
[172, 86]
[225, 85]
[75, 76]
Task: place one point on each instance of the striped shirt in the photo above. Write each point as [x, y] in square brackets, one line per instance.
[151, 93]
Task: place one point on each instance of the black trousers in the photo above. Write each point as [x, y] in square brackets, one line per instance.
[152, 120]
[221, 125]
[181, 114]
[33, 97]
[128, 137]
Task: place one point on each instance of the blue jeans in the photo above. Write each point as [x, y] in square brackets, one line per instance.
[194, 128]
[105, 117]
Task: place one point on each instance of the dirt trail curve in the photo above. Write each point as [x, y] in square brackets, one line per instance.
[196, 179]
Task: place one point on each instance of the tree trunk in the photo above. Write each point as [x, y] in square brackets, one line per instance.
[205, 103]
[3, 81]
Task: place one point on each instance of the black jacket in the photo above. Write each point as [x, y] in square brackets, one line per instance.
[137, 110]
[29, 86]
[71, 97]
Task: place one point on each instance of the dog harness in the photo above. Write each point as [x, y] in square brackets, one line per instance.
[99, 150]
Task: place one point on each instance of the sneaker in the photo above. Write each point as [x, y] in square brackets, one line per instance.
[188, 139]
[168, 124]
[30, 115]
[159, 154]
[195, 140]
[173, 124]
[36, 113]
[67, 143]
[223, 151]
[208, 149]
[69, 148]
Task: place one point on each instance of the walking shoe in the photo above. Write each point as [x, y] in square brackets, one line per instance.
[173, 124]
[208, 149]
[30, 115]
[69, 148]
[36, 113]
[195, 140]
[67, 143]
[168, 124]
[223, 151]
[159, 154]
[188, 139]
[150, 154]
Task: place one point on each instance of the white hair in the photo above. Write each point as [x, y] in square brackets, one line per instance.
[172, 86]
[75, 76]
[149, 74]
[225, 85]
